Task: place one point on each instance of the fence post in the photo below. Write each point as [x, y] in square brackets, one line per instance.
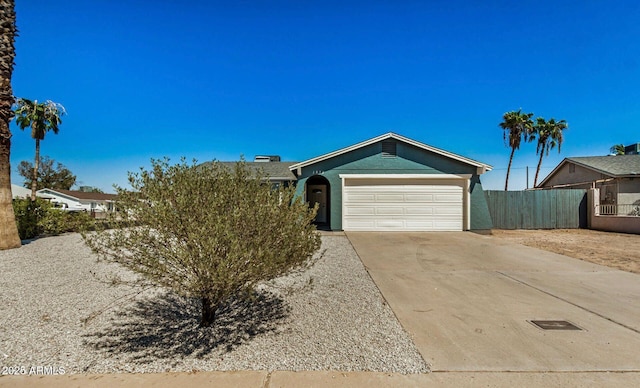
[593, 208]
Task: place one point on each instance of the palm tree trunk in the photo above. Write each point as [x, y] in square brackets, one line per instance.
[8, 231]
[535, 180]
[34, 183]
[506, 182]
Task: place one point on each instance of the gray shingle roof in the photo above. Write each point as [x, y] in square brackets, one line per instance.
[274, 170]
[615, 166]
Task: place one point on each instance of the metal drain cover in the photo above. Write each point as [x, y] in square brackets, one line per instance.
[555, 325]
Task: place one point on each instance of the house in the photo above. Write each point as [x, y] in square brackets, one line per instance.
[19, 192]
[616, 176]
[270, 166]
[393, 183]
[79, 200]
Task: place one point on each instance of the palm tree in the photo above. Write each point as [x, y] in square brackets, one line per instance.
[549, 135]
[516, 126]
[41, 118]
[617, 149]
[8, 231]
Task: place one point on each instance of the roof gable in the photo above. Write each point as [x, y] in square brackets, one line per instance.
[482, 168]
[615, 166]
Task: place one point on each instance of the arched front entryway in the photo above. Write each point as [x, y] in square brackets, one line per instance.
[317, 189]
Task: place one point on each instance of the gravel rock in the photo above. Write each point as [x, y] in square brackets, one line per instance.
[56, 310]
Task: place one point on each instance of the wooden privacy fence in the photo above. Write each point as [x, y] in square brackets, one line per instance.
[538, 209]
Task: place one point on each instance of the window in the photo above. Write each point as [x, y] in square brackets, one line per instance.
[389, 149]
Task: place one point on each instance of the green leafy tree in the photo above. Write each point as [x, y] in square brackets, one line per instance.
[617, 149]
[207, 231]
[549, 134]
[8, 231]
[49, 176]
[516, 126]
[41, 118]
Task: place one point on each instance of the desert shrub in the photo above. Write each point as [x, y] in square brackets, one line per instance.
[28, 215]
[207, 231]
[37, 218]
[55, 221]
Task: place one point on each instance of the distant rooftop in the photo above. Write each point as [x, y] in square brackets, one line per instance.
[612, 165]
[274, 170]
[84, 195]
[20, 192]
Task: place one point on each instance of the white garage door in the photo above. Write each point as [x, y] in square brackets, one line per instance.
[402, 205]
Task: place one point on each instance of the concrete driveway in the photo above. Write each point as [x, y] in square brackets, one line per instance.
[468, 300]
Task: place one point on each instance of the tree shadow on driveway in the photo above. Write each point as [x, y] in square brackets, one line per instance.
[167, 326]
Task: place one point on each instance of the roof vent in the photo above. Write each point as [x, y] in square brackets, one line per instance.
[389, 149]
[266, 158]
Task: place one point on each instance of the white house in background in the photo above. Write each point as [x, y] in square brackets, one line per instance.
[19, 192]
[79, 200]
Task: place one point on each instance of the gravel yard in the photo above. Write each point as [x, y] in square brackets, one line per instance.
[616, 250]
[56, 311]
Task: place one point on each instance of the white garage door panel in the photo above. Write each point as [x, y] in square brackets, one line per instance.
[390, 211]
[419, 197]
[385, 205]
[397, 197]
[360, 197]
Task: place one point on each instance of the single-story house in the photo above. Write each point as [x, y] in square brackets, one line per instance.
[270, 166]
[388, 183]
[20, 192]
[79, 200]
[393, 183]
[617, 177]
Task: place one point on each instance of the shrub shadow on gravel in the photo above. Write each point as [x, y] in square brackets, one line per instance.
[167, 326]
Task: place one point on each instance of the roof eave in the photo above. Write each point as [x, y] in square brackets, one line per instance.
[59, 194]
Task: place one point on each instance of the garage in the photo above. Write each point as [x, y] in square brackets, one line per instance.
[393, 183]
[404, 202]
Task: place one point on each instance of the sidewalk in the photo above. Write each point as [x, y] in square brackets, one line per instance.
[327, 379]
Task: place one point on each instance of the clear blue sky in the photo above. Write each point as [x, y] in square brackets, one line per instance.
[216, 80]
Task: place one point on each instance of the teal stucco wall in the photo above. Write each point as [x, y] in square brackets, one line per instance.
[409, 160]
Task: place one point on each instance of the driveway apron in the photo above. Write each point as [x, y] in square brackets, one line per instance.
[468, 301]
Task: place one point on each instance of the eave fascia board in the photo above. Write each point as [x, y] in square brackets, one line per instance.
[59, 194]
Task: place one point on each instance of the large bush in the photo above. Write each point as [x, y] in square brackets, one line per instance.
[28, 215]
[37, 218]
[208, 232]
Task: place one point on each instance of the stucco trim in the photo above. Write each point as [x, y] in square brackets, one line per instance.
[481, 166]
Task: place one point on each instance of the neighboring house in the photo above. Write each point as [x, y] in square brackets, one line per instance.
[79, 200]
[19, 192]
[617, 177]
[393, 183]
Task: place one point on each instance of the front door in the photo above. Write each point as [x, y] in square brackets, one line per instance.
[317, 194]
